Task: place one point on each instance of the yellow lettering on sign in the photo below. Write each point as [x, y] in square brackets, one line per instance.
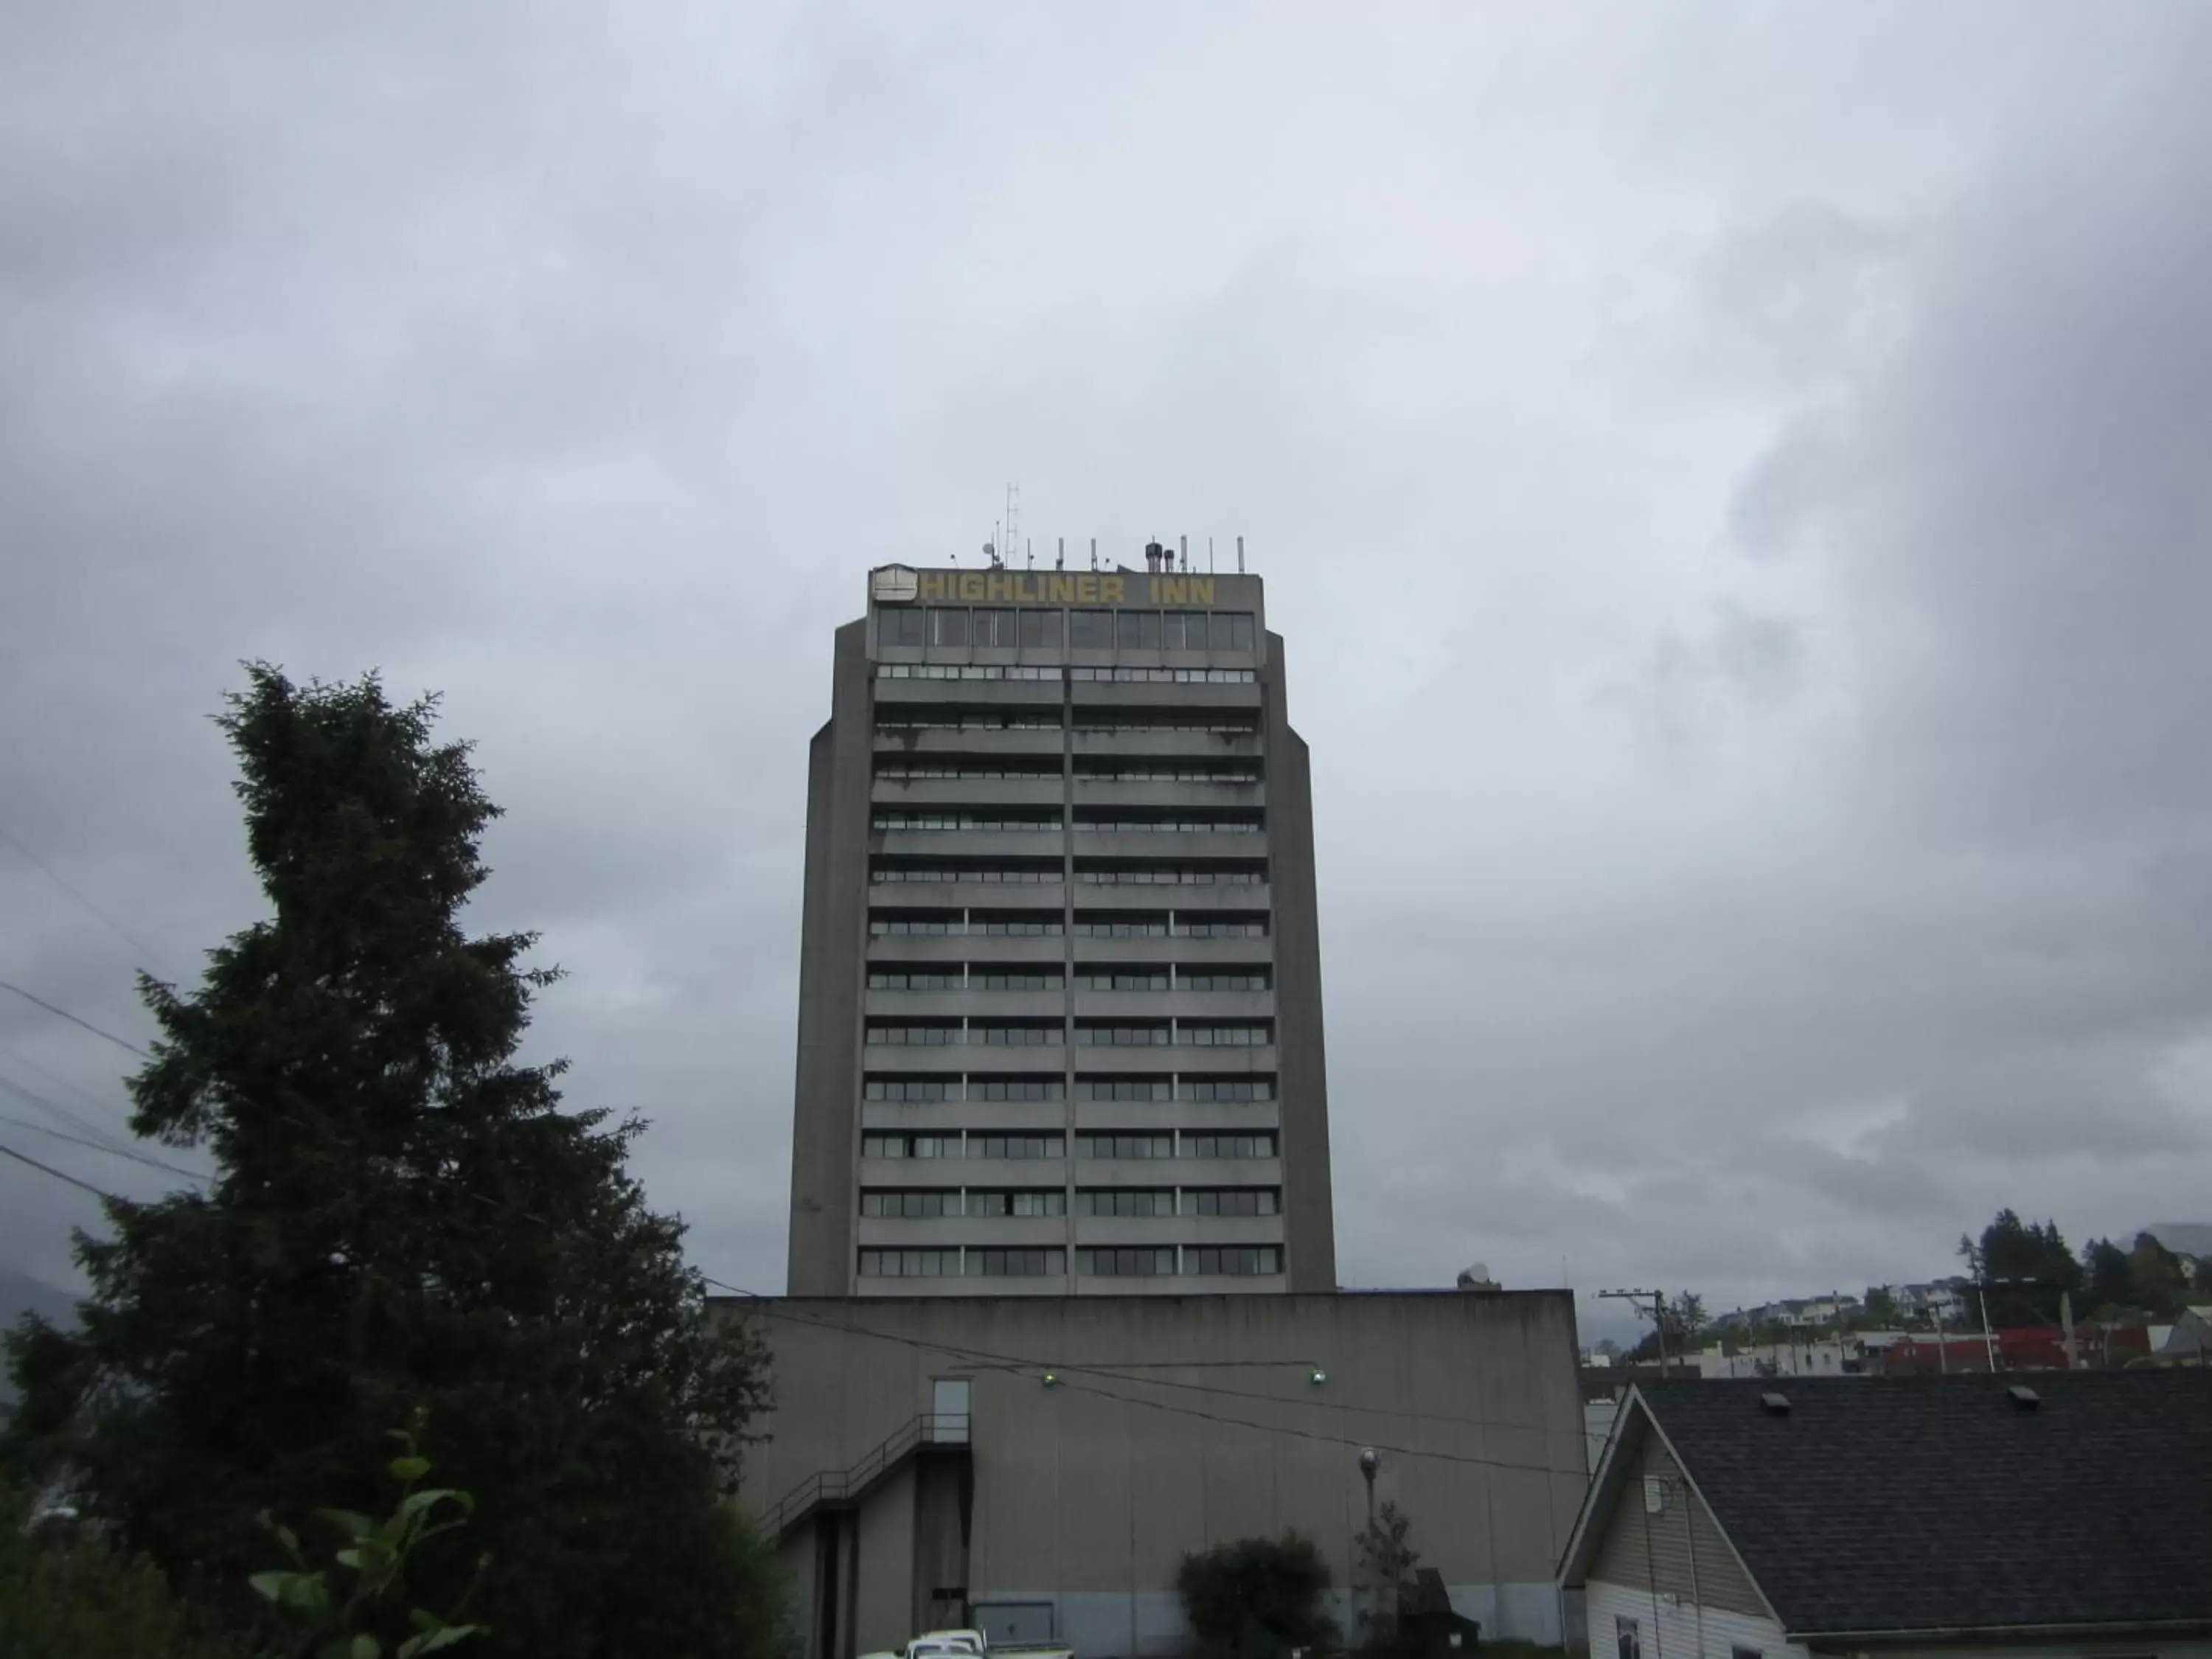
[932, 585]
[998, 588]
[1170, 590]
[1112, 590]
[1060, 590]
[1201, 590]
[1086, 588]
[971, 585]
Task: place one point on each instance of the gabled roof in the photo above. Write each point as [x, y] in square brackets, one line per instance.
[1940, 1503]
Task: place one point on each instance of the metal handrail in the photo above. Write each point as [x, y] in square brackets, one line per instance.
[841, 1486]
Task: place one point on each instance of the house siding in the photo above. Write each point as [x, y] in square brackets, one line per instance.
[1679, 1552]
[1668, 1629]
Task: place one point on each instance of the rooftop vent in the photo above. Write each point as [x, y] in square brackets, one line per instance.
[2024, 1399]
[1774, 1404]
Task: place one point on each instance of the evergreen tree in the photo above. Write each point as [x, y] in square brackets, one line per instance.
[2105, 1269]
[403, 1223]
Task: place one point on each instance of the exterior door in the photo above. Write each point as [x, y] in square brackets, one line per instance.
[948, 1409]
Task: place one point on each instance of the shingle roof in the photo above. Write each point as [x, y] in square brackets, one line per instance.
[1937, 1502]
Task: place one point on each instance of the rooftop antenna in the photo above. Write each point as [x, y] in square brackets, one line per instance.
[1209, 555]
[1028, 551]
[1094, 552]
[1185, 542]
[1013, 517]
[1240, 555]
[1060, 562]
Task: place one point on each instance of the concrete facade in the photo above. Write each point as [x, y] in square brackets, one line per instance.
[1104, 1436]
[1057, 890]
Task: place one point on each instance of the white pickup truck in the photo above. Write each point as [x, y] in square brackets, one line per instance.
[971, 1644]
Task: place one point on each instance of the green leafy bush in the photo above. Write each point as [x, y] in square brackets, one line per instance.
[1273, 1585]
[67, 1594]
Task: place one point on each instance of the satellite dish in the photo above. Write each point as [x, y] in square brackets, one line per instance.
[1476, 1277]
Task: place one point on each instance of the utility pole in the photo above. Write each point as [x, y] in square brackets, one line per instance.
[1658, 1300]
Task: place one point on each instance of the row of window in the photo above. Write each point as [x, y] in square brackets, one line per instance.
[1024, 1034]
[1161, 1263]
[971, 671]
[1153, 1086]
[977, 976]
[947, 1264]
[1042, 768]
[1210, 1261]
[922, 1203]
[1118, 770]
[990, 1142]
[954, 817]
[1053, 630]
[1130, 874]
[1089, 924]
[897, 718]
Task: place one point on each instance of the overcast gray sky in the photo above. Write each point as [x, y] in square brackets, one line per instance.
[1732, 480]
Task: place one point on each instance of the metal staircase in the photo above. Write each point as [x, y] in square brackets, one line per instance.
[843, 1489]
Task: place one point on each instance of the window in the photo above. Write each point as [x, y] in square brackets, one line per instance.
[1181, 630]
[910, 1264]
[927, 1201]
[914, 1037]
[1221, 979]
[950, 671]
[1229, 1201]
[1737, 1650]
[965, 770]
[1125, 1201]
[1235, 1261]
[1225, 1088]
[897, 719]
[902, 626]
[1041, 630]
[1015, 1034]
[1122, 1036]
[1240, 1034]
[1013, 979]
[1015, 1088]
[1121, 924]
[1017, 1264]
[997, 1145]
[1221, 1145]
[1091, 630]
[1108, 769]
[1137, 630]
[885, 869]
[1143, 1087]
[1093, 978]
[1229, 631]
[1125, 1146]
[1105, 821]
[874, 1145]
[948, 627]
[1136, 676]
[899, 924]
[1126, 1263]
[1627, 1641]
[1049, 1200]
[1152, 874]
[1224, 925]
[895, 818]
[914, 979]
[1166, 719]
[1014, 924]
[994, 627]
[881, 1086]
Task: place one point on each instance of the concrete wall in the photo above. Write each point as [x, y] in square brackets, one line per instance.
[1178, 1422]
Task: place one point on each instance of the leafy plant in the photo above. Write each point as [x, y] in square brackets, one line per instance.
[1273, 1584]
[375, 1554]
[67, 1593]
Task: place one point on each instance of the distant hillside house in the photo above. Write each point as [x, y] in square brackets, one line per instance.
[2061, 1513]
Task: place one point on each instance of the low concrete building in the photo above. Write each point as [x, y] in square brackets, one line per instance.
[2057, 1514]
[1040, 1466]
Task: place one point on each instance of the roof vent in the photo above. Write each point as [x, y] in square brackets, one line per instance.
[2024, 1398]
[1774, 1404]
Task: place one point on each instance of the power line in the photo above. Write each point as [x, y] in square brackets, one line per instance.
[97, 1146]
[22, 1158]
[64, 1013]
[56, 1109]
[106, 921]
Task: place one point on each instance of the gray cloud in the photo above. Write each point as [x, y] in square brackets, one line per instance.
[1728, 484]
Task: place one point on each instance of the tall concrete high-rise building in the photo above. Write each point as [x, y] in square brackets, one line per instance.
[1060, 1025]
